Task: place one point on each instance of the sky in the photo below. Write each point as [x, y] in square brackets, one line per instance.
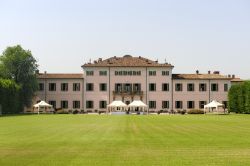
[190, 34]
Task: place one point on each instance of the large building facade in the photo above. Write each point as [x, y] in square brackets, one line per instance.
[130, 78]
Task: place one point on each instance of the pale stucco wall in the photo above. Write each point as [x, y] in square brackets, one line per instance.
[59, 95]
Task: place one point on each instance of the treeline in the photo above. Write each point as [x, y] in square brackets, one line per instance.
[9, 96]
[239, 98]
[18, 81]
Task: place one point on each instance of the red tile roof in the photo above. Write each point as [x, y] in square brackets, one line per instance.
[126, 61]
[61, 75]
[200, 76]
[237, 80]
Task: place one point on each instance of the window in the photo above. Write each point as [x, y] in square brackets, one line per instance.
[152, 73]
[64, 104]
[137, 87]
[103, 87]
[152, 104]
[53, 103]
[225, 103]
[89, 73]
[102, 73]
[178, 87]
[152, 87]
[52, 86]
[225, 87]
[202, 104]
[165, 87]
[76, 104]
[127, 87]
[165, 73]
[203, 87]
[165, 104]
[134, 73]
[178, 104]
[102, 104]
[190, 104]
[124, 73]
[64, 86]
[89, 104]
[76, 87]
[190, 87]
[214, 87]
[89, 87]
[118, 87]
[41, 86]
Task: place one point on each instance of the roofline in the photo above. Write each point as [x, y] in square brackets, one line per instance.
[93, 65]
[202, 78]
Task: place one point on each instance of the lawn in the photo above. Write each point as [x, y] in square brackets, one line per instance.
[125, 140]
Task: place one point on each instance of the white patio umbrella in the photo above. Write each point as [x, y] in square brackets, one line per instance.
[138, 104]
[42, 104]
[213, 104]
[117, 104]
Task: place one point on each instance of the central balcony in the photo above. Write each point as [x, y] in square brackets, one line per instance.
[130, 93]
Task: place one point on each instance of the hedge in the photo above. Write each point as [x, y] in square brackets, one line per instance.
[239, 98]
[9, 97]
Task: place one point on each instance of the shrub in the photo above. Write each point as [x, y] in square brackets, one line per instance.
[89, 111]
[61, 111]
[70, 111]
[75, 112]
[101, 112]
[159, 112]
[165, 111]
[181, 111]
[172, 111]
[195, 111]
[83, 112]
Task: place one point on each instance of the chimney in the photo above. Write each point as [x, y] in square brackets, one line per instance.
[209, 72]
[216, 72]
[233, 76]
[100, 59]
[229, 75]
[197, 71]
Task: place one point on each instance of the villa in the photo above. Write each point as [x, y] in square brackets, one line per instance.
[130, 78]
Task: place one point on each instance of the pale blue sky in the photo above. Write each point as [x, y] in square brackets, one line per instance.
[190, 34]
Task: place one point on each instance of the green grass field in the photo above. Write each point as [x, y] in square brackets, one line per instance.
[125, 140]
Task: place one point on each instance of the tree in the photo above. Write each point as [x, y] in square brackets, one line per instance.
[20, 66]
[9, 96]
[232, 99]
[247, 96]
[239, 98]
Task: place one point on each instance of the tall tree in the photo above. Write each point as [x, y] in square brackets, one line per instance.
[9, 96]
[19, 65]
[239, 98]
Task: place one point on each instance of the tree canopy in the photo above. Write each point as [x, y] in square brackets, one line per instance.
[239, 98]
[20, 66]
[9, 96]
